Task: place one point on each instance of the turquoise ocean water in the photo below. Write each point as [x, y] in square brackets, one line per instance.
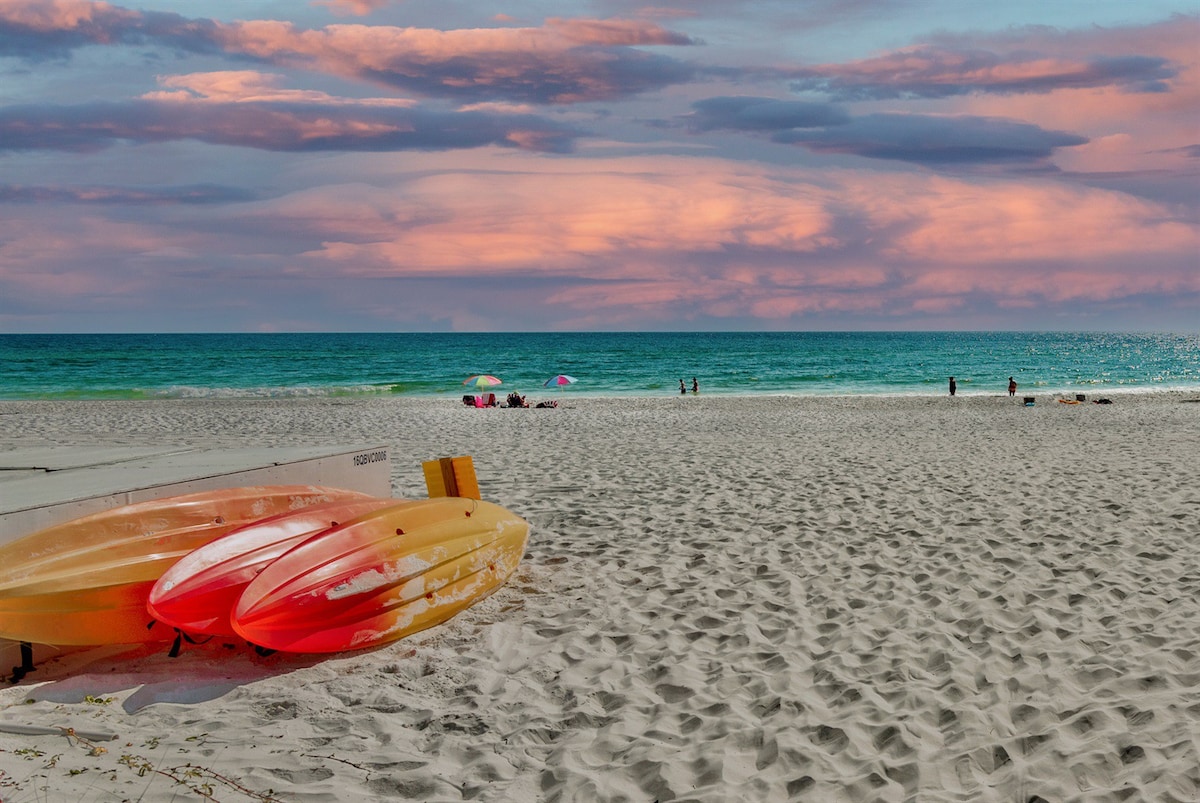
[146, 366]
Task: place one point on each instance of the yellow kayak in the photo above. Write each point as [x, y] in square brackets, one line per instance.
[86, 581]
[382, 576]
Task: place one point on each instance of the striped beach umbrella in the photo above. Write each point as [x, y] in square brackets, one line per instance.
[482, 381]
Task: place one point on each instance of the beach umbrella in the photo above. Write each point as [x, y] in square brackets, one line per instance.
[560, 380]
[482, 381]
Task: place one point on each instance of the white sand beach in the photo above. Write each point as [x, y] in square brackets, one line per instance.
[755, 599]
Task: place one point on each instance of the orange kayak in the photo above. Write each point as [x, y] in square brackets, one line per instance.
[383, 576]
[198, 593]
[87, 581]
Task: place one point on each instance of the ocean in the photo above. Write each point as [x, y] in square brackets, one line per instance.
[152, 366]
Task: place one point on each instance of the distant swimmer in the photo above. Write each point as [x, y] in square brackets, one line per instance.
[953, 386]
[682, 388]
[1012, 386]
[695, 385]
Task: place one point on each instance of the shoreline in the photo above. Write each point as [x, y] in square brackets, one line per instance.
[780, 598]
[546, 394]
[543, 394]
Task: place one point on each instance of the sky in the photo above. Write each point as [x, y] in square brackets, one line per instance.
[589, 165]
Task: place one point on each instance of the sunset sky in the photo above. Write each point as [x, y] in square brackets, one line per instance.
[438, 165]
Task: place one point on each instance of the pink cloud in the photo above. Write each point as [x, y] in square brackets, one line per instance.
[251, 86]
[926, 71]
[764, 242]
[1023, 286]
[57, 15]
[548, 218]
[559, 62]
[736, 290]
[849, 277]
[937, 305]
[626, 33]
[1029, 60]
[1128, 130]
[241, 109]
[782, 306]
[356, 8]
[1023, 221]
[563, 61]
[43, 260]
[645, 295]
[640, 239]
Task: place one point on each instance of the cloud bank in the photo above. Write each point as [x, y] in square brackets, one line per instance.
[562, 61]
[686, 168]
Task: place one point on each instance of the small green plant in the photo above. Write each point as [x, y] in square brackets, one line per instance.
[202, 781]
[93, 700]
[136, 763]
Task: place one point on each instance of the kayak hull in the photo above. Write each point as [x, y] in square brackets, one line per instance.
[87, 581]
[197, 594]
[382, 577]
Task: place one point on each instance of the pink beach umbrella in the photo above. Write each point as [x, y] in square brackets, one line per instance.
[482, 381]
[560, 381]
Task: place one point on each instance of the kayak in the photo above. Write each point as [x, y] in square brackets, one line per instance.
[382, 576]
[198, 593]
[87, 581]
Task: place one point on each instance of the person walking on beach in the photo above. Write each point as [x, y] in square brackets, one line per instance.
[1012, 386]
[682, 388]
[695, 385]
[953, 386]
